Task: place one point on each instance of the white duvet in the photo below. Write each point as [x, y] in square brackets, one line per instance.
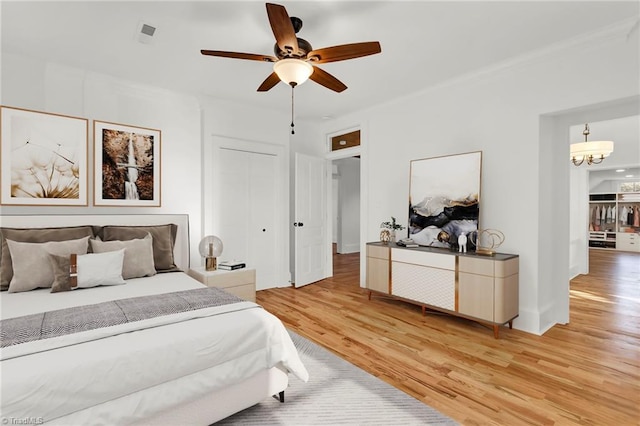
[200, 351]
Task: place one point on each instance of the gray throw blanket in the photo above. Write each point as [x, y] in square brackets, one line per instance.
[60, 322]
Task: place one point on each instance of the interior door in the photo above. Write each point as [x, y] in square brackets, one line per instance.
[247, 206]
[309, 219]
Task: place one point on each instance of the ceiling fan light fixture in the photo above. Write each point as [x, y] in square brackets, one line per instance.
[293, 71]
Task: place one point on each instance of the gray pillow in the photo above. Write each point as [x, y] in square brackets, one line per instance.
[30, 262]
[164, 239]
[34, 235]
[138, 255]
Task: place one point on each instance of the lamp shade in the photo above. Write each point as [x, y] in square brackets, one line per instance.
[592, 148]
[294, 71]
[210, 246]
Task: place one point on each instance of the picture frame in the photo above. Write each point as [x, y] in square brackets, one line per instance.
[127, 165]
[43, 158]
[444, 200]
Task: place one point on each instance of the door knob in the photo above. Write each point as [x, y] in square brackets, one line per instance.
[298, 224]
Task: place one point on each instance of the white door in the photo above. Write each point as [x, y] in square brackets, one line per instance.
[310, 219]
[247, 212]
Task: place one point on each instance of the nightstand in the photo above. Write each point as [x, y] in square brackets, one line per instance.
[241, 282]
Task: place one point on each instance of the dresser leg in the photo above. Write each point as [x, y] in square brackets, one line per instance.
[511, 324]
[496, 329]
[369, 294]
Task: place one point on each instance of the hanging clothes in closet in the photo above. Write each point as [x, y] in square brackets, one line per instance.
[624, 214]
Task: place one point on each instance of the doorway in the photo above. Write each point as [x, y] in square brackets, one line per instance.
[345, 201]
[346, 205]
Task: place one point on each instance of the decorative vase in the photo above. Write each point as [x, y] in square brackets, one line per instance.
[392, 235]
[385, 236]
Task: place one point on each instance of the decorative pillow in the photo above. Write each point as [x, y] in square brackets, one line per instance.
[138, 255]
[34, 235]
[164, 239]
[92, 270]
[61, 266]
[30, 262]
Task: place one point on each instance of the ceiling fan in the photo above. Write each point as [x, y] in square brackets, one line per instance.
[295, 60]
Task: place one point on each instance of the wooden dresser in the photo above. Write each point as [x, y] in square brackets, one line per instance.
[477, 287]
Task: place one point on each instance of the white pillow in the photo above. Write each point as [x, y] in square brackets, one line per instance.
[30, 261]
[100, 269]
[138, 255]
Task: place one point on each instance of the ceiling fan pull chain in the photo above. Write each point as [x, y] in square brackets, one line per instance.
[292, 125]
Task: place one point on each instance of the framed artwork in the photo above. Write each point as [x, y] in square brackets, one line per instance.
[127, 165]
[43, 158]
[444, 200]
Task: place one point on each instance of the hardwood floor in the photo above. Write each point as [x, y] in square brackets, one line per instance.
[584, 373]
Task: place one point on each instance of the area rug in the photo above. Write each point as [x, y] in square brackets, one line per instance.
[337, 393]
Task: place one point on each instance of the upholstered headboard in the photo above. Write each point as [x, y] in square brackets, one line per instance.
[181, 248]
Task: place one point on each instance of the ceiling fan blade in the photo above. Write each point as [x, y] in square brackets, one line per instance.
[237, 55]
[269, 83]
[344, 52]
[282, 28]
[325, 79]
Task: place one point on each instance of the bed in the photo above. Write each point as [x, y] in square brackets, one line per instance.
[102, 355]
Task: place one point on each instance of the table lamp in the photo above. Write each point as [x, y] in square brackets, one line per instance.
[210, 248]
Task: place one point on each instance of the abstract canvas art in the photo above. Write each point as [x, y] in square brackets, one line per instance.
[444, 199]
[127, 165]
[44, 158]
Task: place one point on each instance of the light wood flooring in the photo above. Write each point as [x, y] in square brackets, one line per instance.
[584, 373]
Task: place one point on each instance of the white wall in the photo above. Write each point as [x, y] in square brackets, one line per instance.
[50, 87]
[525, 173]
[348, 205]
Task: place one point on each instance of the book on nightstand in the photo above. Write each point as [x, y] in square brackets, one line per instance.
[230, 265]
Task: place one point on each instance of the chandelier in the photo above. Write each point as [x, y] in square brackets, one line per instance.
[593, 152]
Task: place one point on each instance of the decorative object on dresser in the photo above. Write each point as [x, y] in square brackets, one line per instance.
[240, 282]
[480, 288]
[210, 248]
[488, 241]
[388, 233]
[44, 158]
[126, 165]
[444, 197]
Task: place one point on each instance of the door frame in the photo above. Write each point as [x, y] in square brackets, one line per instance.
[210, 212]
[364, 196]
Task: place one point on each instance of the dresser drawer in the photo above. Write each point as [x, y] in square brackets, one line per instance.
[628, 242]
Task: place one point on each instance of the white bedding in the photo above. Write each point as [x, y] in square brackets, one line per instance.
[136, 374]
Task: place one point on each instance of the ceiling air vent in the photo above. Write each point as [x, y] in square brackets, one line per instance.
[145, 33]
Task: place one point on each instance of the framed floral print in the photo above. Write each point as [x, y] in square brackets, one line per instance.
[43, 158]
[126, 165]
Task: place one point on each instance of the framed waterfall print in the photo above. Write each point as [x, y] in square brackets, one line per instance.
[444, 200]
[126, 165]
[43, 158]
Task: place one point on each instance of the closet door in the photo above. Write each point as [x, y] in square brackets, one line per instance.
[247, 211]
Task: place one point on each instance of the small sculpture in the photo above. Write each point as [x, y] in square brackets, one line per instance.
[462, 243]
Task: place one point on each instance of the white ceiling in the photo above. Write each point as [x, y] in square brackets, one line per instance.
[424, 43]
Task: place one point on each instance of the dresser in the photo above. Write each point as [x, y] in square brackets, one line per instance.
[477, 287]
[240, 282]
